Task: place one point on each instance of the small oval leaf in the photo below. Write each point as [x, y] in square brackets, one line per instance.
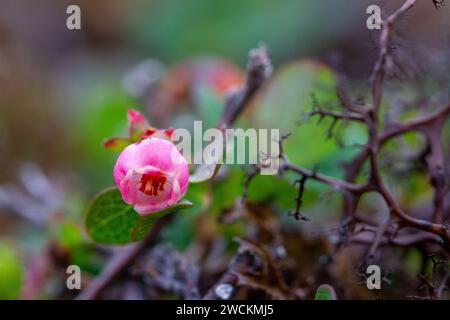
[325, 292]
[109, 220]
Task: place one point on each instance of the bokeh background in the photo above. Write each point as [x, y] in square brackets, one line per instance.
[63, 92]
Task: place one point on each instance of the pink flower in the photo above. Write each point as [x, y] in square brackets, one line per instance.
[151, 175]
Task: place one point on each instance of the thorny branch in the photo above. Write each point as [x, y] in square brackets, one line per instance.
[436, 284]
[429, 126]
[346, 115]
[252, 266]
[299, 199]
[379, 71]
[398, 228]
[439, 3]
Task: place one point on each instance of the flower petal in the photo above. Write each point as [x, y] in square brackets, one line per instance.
[137, 123]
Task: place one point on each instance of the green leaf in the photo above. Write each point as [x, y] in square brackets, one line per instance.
[290, 90]
[10, 273]
[209, 105]
[226, 191]
[325, 292]
[68, 234]
[110, 220]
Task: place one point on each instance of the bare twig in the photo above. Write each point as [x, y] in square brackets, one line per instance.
[259, 69]
[120, 261]
[299, 199]
[385, 39]
[336, 184]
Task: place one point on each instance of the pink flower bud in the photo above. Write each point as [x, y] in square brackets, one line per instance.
[137, 124]
[151, 175]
